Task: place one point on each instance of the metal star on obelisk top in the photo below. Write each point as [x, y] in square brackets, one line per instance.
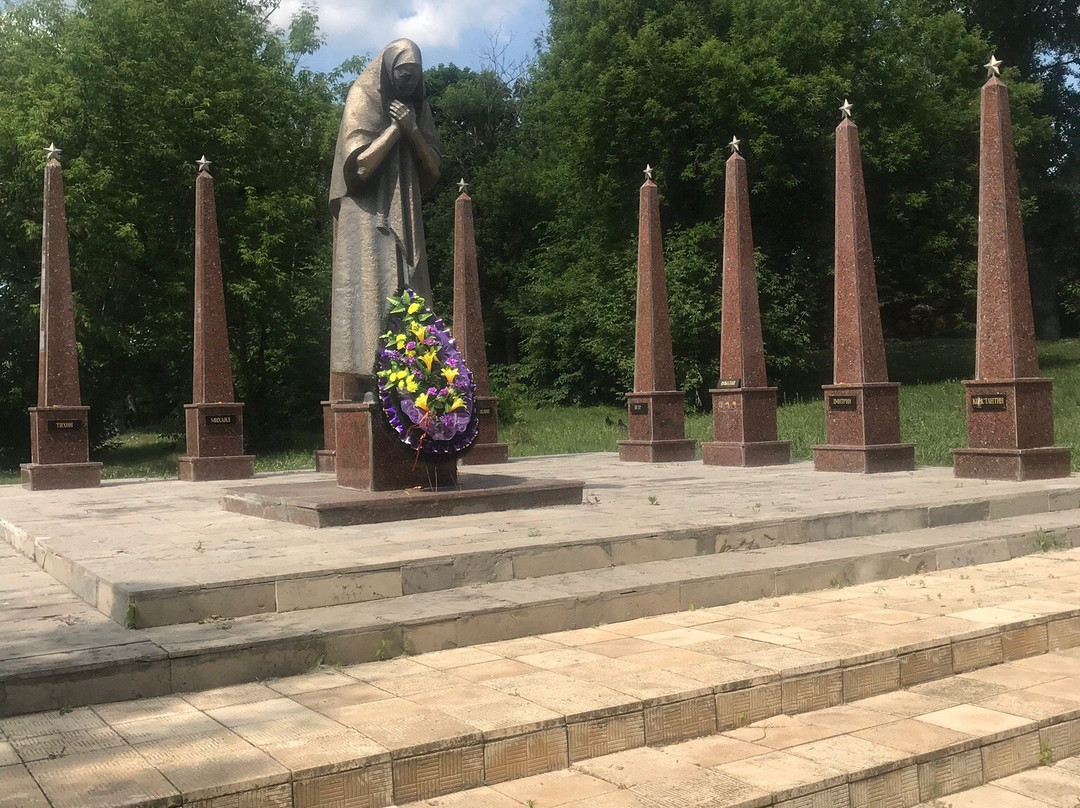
[993, 67]
[846, 108]
[203, 164]
[734, 144]
[52, 151]
[462, 186]
[648, 171]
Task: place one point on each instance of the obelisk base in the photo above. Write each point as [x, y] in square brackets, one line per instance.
[215, 443]
[862, 427]
[657, 428]
[1011, 432]
[744, 429]
[882, 457]
[59, 450]
[205, 469]
[324, 458]
[370, 457]
[487, 448]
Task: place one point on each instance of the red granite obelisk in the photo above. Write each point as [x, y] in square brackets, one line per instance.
[59, 443]
[1010, 408]
[744, 406]
[215, 421]
[469, 334]
[862, 407]
[655, 408]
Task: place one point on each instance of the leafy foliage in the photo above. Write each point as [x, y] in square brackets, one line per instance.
[134, 91]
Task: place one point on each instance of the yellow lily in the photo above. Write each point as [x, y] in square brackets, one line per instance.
[411, 385]
[422, 402]
[419, 331]
[413, 308]
[457, 404]
[428, 359]
[450, 374]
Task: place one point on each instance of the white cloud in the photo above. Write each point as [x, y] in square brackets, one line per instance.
[367, 25]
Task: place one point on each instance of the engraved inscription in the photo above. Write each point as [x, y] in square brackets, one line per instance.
[65, 426]
[843, 403]
[220, 420]
[993, 402]
[483, 411]
[639, 408]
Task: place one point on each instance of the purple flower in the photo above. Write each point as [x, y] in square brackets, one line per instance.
[452, 362]
[444, 392]
[432, 391]
[411, 346]
[418, 374]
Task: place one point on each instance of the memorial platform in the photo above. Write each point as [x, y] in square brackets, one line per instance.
[149, 588]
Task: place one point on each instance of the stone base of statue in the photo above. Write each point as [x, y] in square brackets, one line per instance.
[371, 458]
[656, 424]
[215, 444]
[744, 428]
[324, 458]
[1011, 432]
[59, 450]
[487, 449]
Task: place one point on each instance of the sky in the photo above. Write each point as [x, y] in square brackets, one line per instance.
[458, 31]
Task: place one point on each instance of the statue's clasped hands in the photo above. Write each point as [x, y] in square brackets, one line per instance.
[403, 116]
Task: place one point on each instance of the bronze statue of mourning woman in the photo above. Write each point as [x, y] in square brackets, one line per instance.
[387, 157]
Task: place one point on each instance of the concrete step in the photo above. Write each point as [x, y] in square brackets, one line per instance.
[157, 553]
[1053, 786]
[924, 745]
[539, 555]
[178, 658]
[877, 694]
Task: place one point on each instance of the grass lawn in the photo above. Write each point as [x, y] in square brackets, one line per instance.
[931, 414]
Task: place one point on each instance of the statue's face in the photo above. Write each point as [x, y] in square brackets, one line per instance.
[406, 79]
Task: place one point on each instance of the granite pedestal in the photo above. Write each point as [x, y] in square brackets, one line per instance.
[215, 443]
[370, 457]
[1011, 432]
[656, 426]
[487, 449]
[59, 450]
[746, 418]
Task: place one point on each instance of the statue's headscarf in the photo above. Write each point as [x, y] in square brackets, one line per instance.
[367, 113]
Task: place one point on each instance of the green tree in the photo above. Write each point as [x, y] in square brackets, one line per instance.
[134, 91]
[667, 82]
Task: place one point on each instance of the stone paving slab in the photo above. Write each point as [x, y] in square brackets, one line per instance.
[167, 542]
[414, 728]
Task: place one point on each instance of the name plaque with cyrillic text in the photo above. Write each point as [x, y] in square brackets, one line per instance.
[65, 426]
[639, 408]
[995, 402]
[843, 403]
[483, 411]
[220, 420]
[729, 384]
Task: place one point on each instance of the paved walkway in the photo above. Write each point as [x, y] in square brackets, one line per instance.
[422, 726]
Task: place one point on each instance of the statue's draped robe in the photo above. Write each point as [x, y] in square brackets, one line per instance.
[379, 233]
